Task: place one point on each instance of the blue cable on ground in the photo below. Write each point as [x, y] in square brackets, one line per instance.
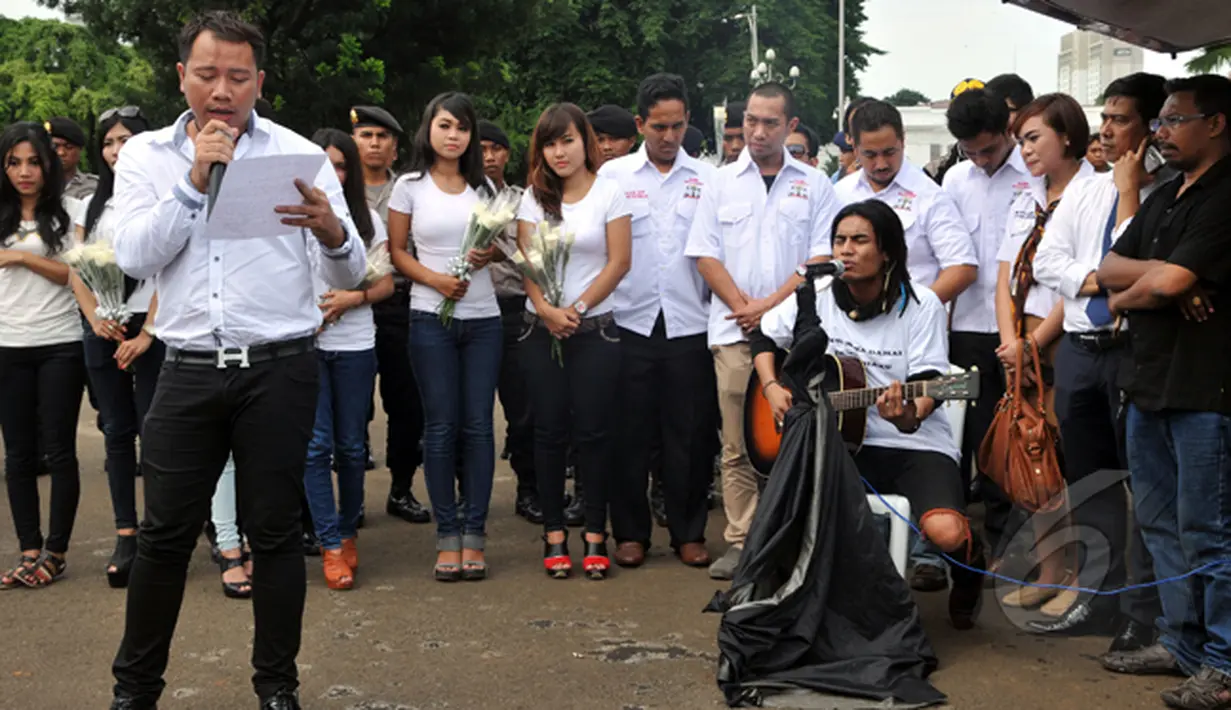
[1023, 583]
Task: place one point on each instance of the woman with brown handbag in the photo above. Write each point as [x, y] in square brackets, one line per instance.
[1053, 133]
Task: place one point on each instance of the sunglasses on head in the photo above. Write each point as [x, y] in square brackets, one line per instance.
[122, 112]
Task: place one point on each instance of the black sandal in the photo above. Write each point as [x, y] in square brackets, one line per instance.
[235, 590]
[122, 560]
[12, 578]
[556, 558]
[50, 567]
[596, 562]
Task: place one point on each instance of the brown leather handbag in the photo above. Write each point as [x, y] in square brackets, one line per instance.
[1019, 450]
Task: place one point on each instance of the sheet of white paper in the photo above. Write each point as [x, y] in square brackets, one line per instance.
[252, 188]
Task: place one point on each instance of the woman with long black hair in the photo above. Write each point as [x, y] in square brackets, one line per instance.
[122, 360]
[565, 190]
[457, 365]
[346, 351]
[42, 375]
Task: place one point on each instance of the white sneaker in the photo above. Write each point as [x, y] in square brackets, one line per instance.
[724, 567]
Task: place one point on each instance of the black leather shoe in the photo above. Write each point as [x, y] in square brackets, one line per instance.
[124, 702]
[1132, 636]
[311, 546]
[283, 700]
[1082, 619]
[528, 507]
[929, 578]
[575, 513]
[408, 509]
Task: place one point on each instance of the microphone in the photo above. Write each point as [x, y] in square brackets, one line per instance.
[825, 268]
[216, 171]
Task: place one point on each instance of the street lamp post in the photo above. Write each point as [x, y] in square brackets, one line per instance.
[841, 56]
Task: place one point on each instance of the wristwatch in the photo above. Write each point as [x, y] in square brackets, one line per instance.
[802, 271]
[581, 308]
[149, 330]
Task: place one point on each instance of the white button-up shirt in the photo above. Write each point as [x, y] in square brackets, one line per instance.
[984, 202]
[760, 236]
[223, 293]
[1073, 246]
[936, 236]
[661, 278]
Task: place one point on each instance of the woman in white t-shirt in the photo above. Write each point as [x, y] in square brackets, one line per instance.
[574, 397]
[122, 361]
[41, 371]
[346, 350]
[457, 366]
[1054, 134]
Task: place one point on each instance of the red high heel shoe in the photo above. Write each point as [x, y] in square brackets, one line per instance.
[556, 558]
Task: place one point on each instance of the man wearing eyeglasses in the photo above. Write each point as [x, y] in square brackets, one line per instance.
[1088, 363]
[1167, 274]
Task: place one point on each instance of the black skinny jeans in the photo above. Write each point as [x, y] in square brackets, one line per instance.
[40, 397]
[581, 396]
[123, 400]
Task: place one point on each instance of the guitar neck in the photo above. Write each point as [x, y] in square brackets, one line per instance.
[845, 400]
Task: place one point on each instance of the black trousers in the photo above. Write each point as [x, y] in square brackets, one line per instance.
[580, 397]
[1088, 405]
[399, 393]
[515, 396]
[967, 350]
[263, 415]
[40, 398]
[666, 388]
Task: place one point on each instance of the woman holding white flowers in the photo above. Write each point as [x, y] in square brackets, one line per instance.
[457, 363]
[122, 359]
[346, 351]
[579, 383]
[41, 372]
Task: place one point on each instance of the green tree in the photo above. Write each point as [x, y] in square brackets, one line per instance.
[54, 68]
[323, 56]
[1210, 61]
[907, 97]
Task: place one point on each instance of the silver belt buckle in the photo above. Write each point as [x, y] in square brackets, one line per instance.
[232, 356]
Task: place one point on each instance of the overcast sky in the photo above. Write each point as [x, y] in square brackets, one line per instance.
[930, 45]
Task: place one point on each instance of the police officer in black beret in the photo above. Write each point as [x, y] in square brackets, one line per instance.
[68, 140]
[376, 132]
[616, 130]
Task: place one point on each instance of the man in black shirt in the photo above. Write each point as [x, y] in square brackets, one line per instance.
[1167, 273]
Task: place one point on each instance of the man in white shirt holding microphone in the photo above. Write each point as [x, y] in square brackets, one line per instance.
[238, 318]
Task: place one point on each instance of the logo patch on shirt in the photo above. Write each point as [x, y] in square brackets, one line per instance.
[799, 188]
[692, 192]
[905, 199]
[636, 195]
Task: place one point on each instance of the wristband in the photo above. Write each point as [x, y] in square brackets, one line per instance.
[765, 387]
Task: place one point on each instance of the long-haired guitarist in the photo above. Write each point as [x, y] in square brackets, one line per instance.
[874, 314]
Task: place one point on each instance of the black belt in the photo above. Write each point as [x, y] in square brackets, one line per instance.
[1098, 341]
[244, 357]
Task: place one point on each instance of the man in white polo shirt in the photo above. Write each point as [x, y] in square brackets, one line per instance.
[985, 185]
[765, 216]
[663, 312]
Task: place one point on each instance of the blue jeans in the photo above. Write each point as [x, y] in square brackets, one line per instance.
[1181, 472]
[457, 369]
[346, 384]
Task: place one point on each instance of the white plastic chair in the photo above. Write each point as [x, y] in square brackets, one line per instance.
[899, 531]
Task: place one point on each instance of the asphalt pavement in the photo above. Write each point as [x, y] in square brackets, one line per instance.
[402, 641]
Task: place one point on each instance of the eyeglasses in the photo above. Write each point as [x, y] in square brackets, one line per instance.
[797, 149]
[1174, 120]
[122, 112]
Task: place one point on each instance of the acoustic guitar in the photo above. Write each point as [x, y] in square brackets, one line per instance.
[846, 386]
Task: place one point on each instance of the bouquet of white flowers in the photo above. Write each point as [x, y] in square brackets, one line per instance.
[488, 220]
[95, 265]
[379, 264]
[544, 261]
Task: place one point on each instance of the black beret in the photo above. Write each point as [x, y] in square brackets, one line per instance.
[693, 140]
[735, 114]
[66, 128]
[374, 116]
[489, 131]
[613, 120]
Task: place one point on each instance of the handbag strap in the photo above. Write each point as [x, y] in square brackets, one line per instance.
[1038, 372]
